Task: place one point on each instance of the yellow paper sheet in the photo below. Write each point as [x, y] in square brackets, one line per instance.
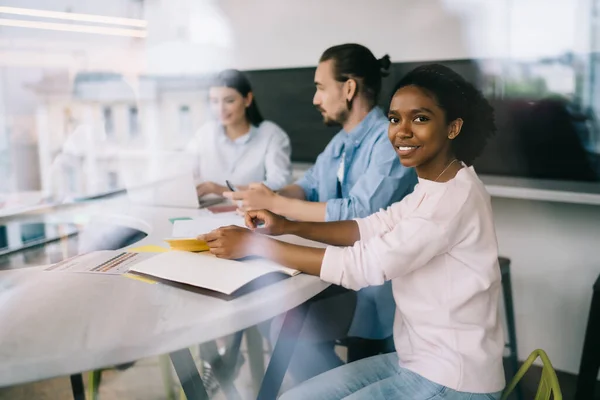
[187, 244]
[139, 278]
[145, 249]
[148, 249]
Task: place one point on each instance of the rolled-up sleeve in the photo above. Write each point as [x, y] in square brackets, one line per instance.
[382, 221]
[331, 269]
[310, 181]
[374, 225]
[384, 182]
[309, 184]
[278, 164]
[410, 245]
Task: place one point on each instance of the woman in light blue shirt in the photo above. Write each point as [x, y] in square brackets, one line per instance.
[239, 145]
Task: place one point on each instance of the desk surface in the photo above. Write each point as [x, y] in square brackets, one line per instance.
[54, 324]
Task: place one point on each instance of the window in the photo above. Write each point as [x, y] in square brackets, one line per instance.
[133, 121]
[113, 180]
[185, 121]
[109, 123]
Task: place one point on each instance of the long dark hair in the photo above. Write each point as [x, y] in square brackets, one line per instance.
[355, 61]
[234, 79]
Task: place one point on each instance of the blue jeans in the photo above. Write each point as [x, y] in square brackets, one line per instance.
[377, 378]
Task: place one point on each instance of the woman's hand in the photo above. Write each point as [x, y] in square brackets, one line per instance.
[233, 242]
[266, 222]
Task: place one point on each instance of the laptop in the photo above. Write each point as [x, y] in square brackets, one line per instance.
[175, 191]
[166, 181]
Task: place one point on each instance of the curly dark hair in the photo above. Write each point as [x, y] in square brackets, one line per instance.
[459, 99]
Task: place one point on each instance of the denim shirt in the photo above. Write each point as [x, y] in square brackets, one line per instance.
[373, 179]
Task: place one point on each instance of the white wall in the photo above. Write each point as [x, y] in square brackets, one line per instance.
[555, 262]
[275, 33]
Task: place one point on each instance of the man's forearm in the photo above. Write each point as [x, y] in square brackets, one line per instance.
[293, 192]
[299, 210]
[338, 233]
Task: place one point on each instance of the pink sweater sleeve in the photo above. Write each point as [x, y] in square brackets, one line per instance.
[411, 244]
[379, 223]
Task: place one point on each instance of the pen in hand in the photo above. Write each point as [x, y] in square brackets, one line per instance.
[230, 186]
[234, 189]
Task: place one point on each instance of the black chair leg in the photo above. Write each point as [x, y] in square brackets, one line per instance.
[510, 320]
[77, 387]
[590, 359]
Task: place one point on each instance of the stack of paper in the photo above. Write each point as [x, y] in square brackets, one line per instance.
[185, 232]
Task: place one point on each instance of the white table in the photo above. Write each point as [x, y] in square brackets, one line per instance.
[54, 324]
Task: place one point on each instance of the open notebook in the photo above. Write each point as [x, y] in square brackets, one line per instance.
[206, 271]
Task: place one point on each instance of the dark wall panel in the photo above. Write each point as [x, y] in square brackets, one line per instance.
[285, 97]
[537, 137]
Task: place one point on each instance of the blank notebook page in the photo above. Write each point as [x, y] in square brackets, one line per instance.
[205, 270]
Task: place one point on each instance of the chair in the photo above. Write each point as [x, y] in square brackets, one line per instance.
[590, 356]
[548, 383]
[359, 348]
[510, 318]
[510, 312]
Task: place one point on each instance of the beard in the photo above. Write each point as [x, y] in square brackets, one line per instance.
[336, 120]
